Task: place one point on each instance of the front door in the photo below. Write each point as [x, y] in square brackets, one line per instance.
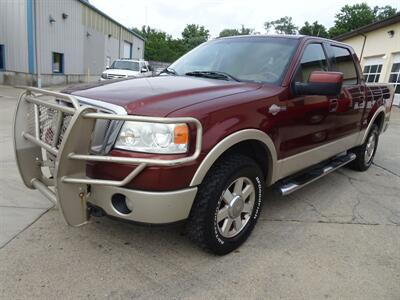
[309, 120]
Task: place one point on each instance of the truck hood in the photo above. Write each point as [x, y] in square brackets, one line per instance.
[159, 96]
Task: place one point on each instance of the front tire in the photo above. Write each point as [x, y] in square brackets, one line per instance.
[366, 152]
[227, 205]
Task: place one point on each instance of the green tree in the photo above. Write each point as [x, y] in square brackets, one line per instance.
[194, 35]
[245, 30]
[160, 46]
[233, 32]
[384, 12]
[354, 16]
[314, 29]
[283, 25]
[229, 32]
[137, 31]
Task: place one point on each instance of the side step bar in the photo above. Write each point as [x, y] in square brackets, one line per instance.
[296, 182]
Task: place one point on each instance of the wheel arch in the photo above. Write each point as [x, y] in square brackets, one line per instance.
[377, 118]
[249, 141]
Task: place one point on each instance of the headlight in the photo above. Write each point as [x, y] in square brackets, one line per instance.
[153, 137]
[104, 75]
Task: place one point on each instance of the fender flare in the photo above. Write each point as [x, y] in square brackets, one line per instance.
[228, 142]
[365, 132]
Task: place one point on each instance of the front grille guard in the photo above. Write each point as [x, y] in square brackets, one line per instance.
[68, 185]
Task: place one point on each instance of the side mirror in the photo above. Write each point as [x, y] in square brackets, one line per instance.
[107, 67]
[321, 83]
[143, 70]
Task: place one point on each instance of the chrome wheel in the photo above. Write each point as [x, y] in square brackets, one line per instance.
[370, 148]
[235, 207]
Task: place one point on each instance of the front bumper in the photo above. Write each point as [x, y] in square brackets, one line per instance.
[143, 206]
[63, 150]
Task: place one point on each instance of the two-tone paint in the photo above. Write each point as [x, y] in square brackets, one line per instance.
[236, 114]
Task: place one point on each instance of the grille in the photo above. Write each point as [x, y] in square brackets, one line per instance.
[114, 76]
[102, 139]
[48, 119]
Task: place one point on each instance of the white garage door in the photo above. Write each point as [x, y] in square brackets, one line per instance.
[127, 50]
[394, 78]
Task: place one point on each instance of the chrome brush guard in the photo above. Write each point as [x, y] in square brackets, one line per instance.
[53, 130]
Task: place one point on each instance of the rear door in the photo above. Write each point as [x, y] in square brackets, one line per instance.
[351, 101]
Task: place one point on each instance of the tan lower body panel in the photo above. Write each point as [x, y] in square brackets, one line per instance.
[147, 207]
[298, 162]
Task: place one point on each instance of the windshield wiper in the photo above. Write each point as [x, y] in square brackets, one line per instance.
[213, 75]
[169, 71]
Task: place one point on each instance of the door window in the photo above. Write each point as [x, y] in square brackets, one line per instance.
[314, 59]
[143, 66]
[344, 63]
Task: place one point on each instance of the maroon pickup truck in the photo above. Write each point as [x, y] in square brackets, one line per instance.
[201, 142]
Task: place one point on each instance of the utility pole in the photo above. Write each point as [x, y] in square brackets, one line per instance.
[145, 15]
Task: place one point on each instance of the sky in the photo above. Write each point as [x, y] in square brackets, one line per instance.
[172, 16]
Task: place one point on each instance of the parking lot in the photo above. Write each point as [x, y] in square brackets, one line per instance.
[338, 238]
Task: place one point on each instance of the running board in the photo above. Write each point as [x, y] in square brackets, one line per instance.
[296, 182]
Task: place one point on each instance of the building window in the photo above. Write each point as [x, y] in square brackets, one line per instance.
[58, 62]
[394, 77]
[372, 73]
[2, 58]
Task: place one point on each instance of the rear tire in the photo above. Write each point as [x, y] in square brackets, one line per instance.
[366, 152]
[227, 205]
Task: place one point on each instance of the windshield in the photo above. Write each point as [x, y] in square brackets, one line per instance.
[125, 65]
[257, 59]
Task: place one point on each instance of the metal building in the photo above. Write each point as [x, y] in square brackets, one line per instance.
[44, 42]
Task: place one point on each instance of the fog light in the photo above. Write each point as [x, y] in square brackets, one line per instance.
[119, 203]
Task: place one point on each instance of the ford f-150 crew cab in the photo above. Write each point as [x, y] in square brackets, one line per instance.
[201, 142]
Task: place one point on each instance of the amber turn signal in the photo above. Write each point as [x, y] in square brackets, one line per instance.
[181, 134]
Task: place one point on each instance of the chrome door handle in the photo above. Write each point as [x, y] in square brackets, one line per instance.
[275, 109]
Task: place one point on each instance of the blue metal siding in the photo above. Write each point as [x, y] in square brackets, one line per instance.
[29, 22]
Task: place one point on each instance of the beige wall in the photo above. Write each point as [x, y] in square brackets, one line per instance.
[378, 44]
